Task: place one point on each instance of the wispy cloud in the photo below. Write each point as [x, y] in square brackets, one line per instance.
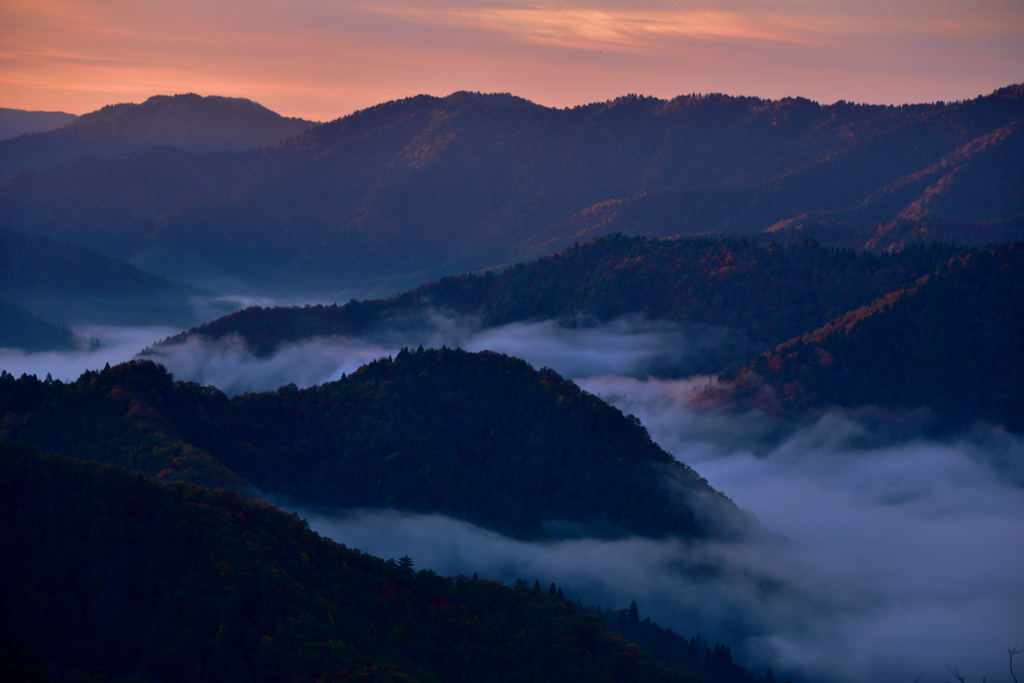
[322, 59]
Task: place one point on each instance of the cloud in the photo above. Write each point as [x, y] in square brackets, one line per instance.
[903, 550]
[627, 346]
[903, 556]
[117, 345]
[912, 533]
[322, 59]
[230, 366]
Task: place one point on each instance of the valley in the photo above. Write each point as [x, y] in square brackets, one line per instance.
[752, 366]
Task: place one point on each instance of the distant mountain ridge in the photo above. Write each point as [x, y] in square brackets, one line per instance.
[189, 122]
[411, 190]
[937, 326]
[70, 284]
[765, 292]
[20, 328]
[15, 122]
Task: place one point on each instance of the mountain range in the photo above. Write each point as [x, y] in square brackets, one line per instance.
[15, 122]
[112, 576]
[407, 191]
[189, 122]
[794, 244]
[75, 285]
[789, 328]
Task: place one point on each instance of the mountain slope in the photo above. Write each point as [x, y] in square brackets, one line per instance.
[21, 329]
[414, 189]
[188, 122]
[952, 341]
[15, 122]
[768, 293]
[480, 437]
[108, 575]
[856, 198]
[77, 285]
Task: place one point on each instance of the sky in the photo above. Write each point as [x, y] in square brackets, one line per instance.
[321, 59]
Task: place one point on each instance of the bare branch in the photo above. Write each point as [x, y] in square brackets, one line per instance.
[1012, 651]
[955, 673]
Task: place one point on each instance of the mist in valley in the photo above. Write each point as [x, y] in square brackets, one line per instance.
[101, 344]
[889, 555]
[890, 552]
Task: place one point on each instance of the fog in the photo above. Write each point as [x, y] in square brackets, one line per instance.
[628, 346]
[923, 534]
[902, 557]
[116, 345]
[904, 550]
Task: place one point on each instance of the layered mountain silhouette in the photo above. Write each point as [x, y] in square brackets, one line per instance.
[22, 329]
[407, 191]
[188, 122]
[953, 341]
[75, 285]
[15, 122]
[112, 576]
[479, 437]
[937, 326]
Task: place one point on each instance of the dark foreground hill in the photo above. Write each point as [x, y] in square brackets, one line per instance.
[74, 285]
[952, 341]
[411, 190]
[108, 575]
[15, 122]
[767, 293]
[479, 437]
[189, 122]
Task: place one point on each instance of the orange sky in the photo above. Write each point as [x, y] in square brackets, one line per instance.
[321, 59]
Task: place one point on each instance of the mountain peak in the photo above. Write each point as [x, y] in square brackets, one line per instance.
[188, 121]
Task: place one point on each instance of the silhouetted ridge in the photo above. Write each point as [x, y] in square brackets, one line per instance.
[480, 437]
[189, 122]
[77, 285]
[110, 575]
[952, 341]
[769, 292]
[15, 122]
[22, 329]
[411, 190]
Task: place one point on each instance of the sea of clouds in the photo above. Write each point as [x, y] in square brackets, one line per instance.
[895, 552]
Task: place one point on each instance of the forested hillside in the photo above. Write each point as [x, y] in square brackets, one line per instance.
[769, 292]
[73, 285]
[189, 122]
[937, 326]
[952, 341]
[411, 190]
[21, 329]
[479, 437]
[109, 575]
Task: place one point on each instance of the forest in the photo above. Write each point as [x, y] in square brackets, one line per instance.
[952, 341]
[844, 283]
[931, 326]
[113, 576]
[415, 189]
[481, 437]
